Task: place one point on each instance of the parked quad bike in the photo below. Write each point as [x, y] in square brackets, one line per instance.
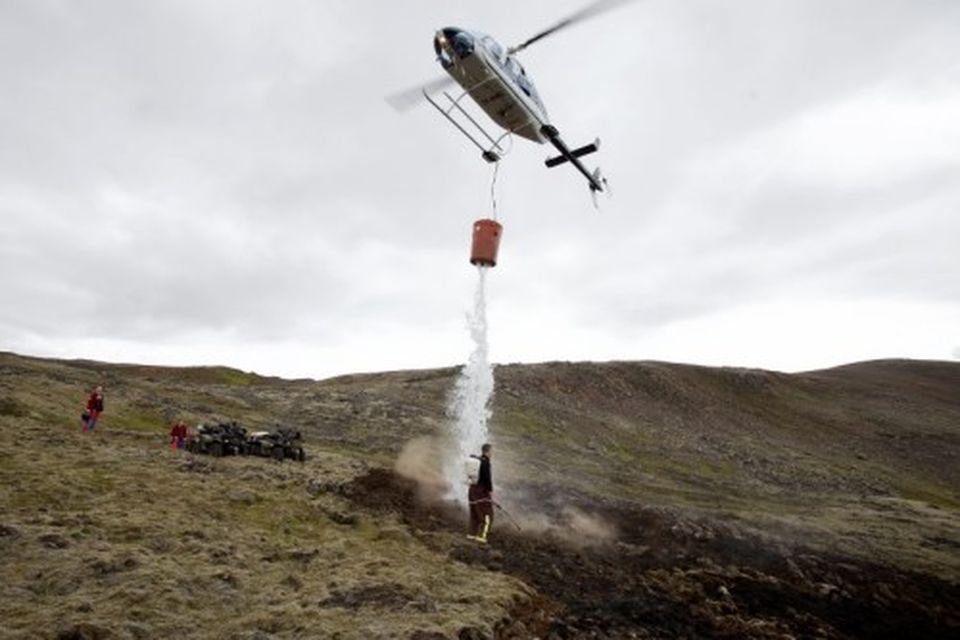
[223, 439]
[280, 444]
[229, 439]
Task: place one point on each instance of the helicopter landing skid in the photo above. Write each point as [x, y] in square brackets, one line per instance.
[494, 152]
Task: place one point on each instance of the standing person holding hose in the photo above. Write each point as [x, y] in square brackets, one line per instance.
[480, 497]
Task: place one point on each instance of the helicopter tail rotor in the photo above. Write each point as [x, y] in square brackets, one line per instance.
[598, 179]
[599, 182]
[593, 9]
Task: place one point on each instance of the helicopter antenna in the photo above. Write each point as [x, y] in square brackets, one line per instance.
[589, 11]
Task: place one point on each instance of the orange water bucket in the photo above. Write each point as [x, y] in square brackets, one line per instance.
[486, 242]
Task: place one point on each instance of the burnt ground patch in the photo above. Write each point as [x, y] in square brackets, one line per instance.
[671, 576]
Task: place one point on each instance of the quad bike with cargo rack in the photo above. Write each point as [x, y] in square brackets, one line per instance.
[279, 444]
[222, 439]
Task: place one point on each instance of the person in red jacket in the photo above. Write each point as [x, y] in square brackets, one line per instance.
[178, 435]
[93, 408]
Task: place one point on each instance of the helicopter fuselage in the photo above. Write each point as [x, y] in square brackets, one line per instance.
[495, 80]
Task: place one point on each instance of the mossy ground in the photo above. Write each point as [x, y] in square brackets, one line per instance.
[112, 531]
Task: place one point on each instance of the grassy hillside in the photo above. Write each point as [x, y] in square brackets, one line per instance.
[656, 499]
[820, 457]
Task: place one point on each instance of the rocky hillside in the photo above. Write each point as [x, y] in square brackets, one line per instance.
[650, 500]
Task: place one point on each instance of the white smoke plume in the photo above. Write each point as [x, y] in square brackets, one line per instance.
[571, 526]
[421, 460]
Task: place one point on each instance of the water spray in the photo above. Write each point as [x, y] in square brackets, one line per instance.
[469, 403]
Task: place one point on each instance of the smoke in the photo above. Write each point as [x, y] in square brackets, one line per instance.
[469, 403]
[421, 460]
[570, 525]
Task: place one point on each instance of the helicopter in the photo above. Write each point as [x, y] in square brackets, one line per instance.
[496, 81]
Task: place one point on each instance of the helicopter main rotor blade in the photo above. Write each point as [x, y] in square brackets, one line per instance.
[409, 98]
[589, 11]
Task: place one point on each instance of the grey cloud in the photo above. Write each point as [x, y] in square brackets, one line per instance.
[178, 168]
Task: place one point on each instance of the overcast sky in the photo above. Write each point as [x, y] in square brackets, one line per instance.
[201, 182]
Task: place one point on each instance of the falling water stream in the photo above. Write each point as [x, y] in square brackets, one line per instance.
[469, 404]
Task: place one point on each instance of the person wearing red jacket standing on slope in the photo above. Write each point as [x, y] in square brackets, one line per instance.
[178, 435]
[93, 409]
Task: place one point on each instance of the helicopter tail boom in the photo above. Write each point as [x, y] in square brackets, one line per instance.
[597, 183]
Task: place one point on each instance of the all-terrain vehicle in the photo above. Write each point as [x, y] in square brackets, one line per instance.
[279, 444]
[222, 439]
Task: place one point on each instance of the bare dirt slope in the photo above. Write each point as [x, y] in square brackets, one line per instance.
[657, 500]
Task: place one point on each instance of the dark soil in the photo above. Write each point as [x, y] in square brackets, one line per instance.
[671, 576]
